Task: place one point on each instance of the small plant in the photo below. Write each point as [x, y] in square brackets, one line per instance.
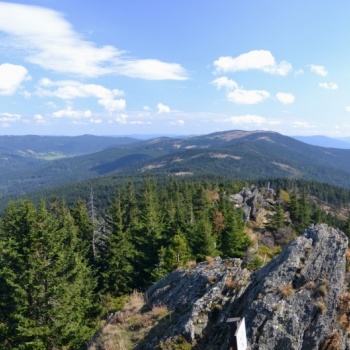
[321, 306]
[333, 342]
[191, 264]
[286, 291]
[322, 289]
[310, 285]
[212, 279]
[344, 306]
[210, 260]
[231, 284]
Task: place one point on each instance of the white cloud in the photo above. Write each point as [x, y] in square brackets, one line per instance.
[96, 121]
[68, 90]
[285, 98]
[302, 124]
[179, 122]
[11, 78]
[70, 113]
[163, 108]
[39, 119]
[318, 69]
[146, 108]
[246, 97]
[9, 117]
[224, 82]
[122, 119]
[151, 69]
[48, 40]
[247, 119]
[112, 105]
[256, 59]
[328, 86]
[347, 108]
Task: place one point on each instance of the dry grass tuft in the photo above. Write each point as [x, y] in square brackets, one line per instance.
[210, 260]
[344, 306]
[286, 291]
[333, 342]
[321, 306]
[230, 284]
[191, 264]
[129, 326]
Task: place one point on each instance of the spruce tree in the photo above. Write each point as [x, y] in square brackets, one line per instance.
[116, 262]
[234, 239]
[45, 283]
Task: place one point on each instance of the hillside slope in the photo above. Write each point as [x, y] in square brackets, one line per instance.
[231, 154]
[297, 301]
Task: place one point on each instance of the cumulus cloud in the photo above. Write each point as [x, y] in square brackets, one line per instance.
[48, 40]
[163, 108]
[70, 113]
[9, 117]
[256, 59]
[113, 105]
[328, 86]
[318, 69]
[302, 124]
[224, 82]
[11, 78]
[250, 119]
[122, 119]
[347, 108]
[39, 119]
[239, 95]
[96, 121]
[68, 90]
[285, 98]
[179, 122]
[152, 69]
[246, 97]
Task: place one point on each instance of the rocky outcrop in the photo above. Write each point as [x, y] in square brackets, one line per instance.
[291, 303]
[253, 202]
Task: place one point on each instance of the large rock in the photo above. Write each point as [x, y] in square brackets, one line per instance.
[291, 303]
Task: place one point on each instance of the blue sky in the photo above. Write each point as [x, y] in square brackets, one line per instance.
[175, 67]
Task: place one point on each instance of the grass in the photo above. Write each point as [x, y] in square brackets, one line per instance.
[286, 291]
[130, 326]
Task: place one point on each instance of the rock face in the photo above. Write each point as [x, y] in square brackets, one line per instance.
[291, 303]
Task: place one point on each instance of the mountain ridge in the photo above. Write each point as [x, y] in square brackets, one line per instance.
[233, 154]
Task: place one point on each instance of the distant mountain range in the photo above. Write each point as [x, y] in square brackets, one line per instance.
[324, 141]
[26, 161]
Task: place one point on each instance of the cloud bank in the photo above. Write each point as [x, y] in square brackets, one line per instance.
[48, 40]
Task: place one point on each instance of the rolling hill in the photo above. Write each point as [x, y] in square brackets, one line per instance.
[231, 154]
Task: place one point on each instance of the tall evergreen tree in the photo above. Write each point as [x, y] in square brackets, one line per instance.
[234, 239]
[116, 262]
[45, 283]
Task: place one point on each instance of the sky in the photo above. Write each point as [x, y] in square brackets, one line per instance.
[174, 67]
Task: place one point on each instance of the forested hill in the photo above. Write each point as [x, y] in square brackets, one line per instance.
[64, 268]
[232, 154]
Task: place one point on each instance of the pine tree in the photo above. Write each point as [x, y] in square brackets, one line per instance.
[234, 239]
[177, 253]
[203, 241]
[45, 283]
[116, 262]
[148, 235]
